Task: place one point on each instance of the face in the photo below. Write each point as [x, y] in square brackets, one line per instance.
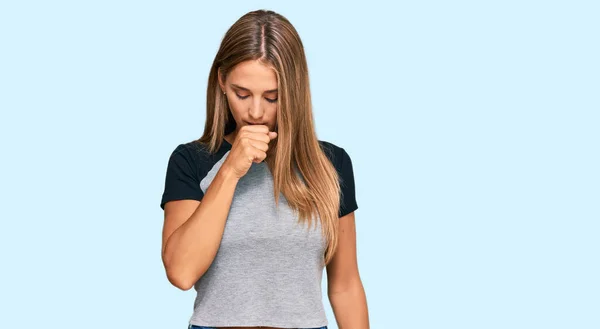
[251, 89]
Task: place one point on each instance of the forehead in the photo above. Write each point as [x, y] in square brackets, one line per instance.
[253, 75]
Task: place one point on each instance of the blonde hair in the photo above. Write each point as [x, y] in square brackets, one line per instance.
[270, 38]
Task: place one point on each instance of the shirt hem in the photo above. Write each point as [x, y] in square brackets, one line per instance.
[256, 324]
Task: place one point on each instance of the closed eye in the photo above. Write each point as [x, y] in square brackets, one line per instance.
[270, 100]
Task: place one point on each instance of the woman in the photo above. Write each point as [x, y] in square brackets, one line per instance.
[258, 206]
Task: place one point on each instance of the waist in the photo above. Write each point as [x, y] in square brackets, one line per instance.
[191, 326]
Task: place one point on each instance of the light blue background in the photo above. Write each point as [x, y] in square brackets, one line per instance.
[473, 128]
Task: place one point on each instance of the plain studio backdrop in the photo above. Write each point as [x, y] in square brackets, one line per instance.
[473, 128]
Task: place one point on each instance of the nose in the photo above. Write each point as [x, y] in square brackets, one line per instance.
[256, 112]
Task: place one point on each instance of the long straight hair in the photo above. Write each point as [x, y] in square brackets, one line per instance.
[301, 170]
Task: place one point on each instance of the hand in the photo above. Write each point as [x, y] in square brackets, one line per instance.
[250, 145]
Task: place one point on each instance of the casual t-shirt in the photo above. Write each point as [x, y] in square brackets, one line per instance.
[268, 268]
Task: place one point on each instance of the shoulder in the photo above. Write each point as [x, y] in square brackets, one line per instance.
[336, 154]
[186, 167]
[192, 149]
[193, 153]
[331, 150]
[190, 158]
[343, 164]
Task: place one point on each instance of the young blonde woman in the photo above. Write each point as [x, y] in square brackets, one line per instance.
[257, 207]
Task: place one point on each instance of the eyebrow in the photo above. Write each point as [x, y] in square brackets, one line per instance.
[246, 89]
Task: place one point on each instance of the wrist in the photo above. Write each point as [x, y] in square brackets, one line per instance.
[227, 173]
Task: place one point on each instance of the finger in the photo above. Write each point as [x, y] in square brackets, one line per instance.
[259, 144]
[256, 128]
[259, 156]
[262, 137]
[257, 135]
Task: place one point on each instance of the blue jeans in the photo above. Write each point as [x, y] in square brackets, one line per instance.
[191, 326]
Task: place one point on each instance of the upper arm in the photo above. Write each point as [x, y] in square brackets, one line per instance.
[182, 192]
[342, 271]
[177, 212]
[182, 181]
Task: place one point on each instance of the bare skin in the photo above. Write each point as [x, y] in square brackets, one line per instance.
[251, 90]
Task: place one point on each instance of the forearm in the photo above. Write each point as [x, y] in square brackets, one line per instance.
[191, 248]
[350, 307]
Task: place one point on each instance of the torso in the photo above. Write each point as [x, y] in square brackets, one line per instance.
[267, 261]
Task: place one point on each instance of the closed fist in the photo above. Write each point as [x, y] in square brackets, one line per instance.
[250, 145]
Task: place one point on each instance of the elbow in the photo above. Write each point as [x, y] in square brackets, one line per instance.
[175, 274]
[181, 273]
[180, 280]
[178, 276]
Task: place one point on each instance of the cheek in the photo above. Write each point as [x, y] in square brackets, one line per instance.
[272, 110]
[235, 106]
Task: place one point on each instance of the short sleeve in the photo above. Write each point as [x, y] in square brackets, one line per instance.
[347, 190]
[182, 179]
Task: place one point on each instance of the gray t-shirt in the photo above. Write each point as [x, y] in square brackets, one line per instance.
[268, 269]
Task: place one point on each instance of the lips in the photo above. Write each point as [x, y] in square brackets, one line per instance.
[256, 123]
